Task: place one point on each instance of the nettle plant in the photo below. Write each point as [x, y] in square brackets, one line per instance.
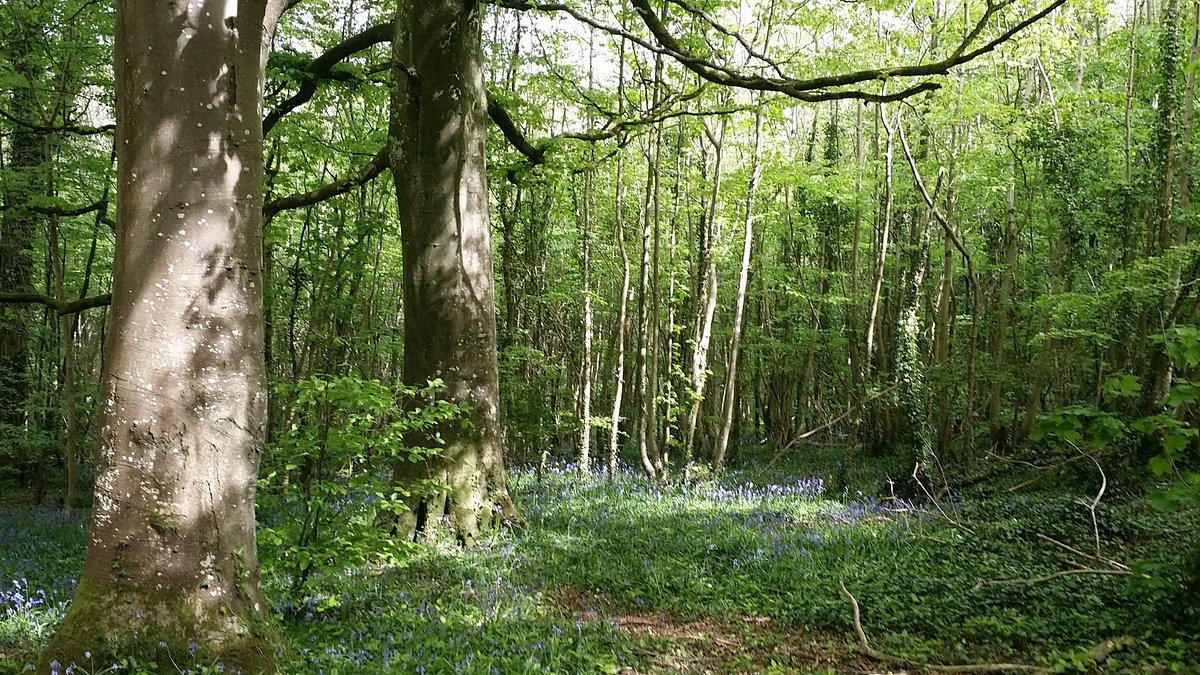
[327, 480]
[1089, 428]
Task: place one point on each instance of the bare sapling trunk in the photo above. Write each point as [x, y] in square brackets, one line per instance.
[585, 357]
[622, 327]
[882, 238]
[706, 301]
[646, 364]
[731, 362]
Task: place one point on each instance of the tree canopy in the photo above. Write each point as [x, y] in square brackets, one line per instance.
[312, 279]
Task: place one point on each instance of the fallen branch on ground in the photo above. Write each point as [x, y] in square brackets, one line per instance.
[1050, 577]
[916, 477]
[1046, 471]
[865, 647]
[1107, 561]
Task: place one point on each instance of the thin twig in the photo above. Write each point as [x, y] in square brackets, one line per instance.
[1107, 561]
[936, 503]
[1046, 471]
[1050, 577]
[865, 647]
[816, 430]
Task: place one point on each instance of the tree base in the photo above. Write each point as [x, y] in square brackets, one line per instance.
[465, 497]
[174, 629]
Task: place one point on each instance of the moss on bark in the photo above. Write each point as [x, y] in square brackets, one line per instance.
[171, 628]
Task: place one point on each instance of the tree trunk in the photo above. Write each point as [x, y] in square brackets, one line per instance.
[646, 380]
[172, 557]
[882, 240]
[622, 328]
[1001, 309]
[706, 301]
[585, 357]
[25, 147]
[436, 147]
[739, 311]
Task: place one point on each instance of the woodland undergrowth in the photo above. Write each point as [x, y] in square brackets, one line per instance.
[739, 574]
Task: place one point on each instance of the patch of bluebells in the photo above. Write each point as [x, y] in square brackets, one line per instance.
[41, 553]
[484, 611]
[418, 622]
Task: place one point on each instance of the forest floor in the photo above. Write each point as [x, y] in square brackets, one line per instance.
[739, 575]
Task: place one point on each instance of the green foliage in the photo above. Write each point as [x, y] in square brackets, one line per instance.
[1089, 429]
[1176, 434]
[327, 478]
[754, 557]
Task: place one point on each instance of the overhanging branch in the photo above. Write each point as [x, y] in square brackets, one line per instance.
[65, 128]
[63, 211]
[320, 67]
[364, 175]
[823, 88]
[59, 306]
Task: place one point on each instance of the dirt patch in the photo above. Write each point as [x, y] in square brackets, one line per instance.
[718, 644]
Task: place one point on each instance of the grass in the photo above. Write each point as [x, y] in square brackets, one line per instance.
[739, 575]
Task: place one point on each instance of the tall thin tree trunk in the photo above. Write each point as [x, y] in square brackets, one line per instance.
[645, 338]
[25, 147]
[622, 327]
[882, 239]
[585, 357]
[706, 301]
[735, 339]
[1001, 310]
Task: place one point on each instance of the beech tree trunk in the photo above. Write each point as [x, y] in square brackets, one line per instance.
[172, 558]
[436, 146]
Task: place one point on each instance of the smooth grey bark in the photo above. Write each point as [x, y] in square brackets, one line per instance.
[172, 556]
[883, 239]
[647, 426]
[585, 357]
[706, 302]
[436, 148]
[622, 324]
[622, 319]
[731, 361]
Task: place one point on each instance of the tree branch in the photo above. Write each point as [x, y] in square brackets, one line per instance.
[66, 128]
[65, 212]
[617, 31]
[320, 66]
[60, 306]
[937, 214]
[373, 168]
[513, 134]
[818, 88]
[1051, 577]
[712, 21]
[865, 647]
